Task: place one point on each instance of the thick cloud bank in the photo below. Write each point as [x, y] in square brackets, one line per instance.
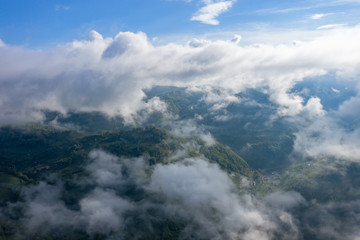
[110, 75]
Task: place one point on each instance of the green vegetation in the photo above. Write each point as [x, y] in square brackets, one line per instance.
[228, 160]
[34, 152]
[247, 131]
[28, 154]
[250, 147]
[321, 180]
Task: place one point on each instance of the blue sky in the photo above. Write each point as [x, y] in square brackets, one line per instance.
[41, 23]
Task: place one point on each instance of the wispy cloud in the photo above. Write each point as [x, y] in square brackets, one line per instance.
[211, 10]
[193, 191]
[60, 7]
[319, 4]
[330, 26]
[347, 1]
[284, 10]
[319, 16]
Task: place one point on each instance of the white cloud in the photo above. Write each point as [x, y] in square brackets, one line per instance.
[189, 129]
[192, 192]
[308, 6]
[2, 44]
[198, 187]
[60, 7]
[329, 26]
[201, 193]
[335, 90]
[325, 138]
[236, 39]
[198, 42]
[94, 35]
[102, 211]
[211, 10]
[314, 107]
[348, 1]
[318, 16]
[109, 75]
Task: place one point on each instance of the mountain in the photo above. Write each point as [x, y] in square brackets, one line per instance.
[35, 155]
[199, 170]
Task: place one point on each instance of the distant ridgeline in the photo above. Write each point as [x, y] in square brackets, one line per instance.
[29, 152]
[244, 126]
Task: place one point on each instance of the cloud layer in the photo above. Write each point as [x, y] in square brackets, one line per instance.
[122, 197]
[110, 75]
[194, 193]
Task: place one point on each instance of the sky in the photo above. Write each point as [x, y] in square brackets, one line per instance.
[46, 23]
